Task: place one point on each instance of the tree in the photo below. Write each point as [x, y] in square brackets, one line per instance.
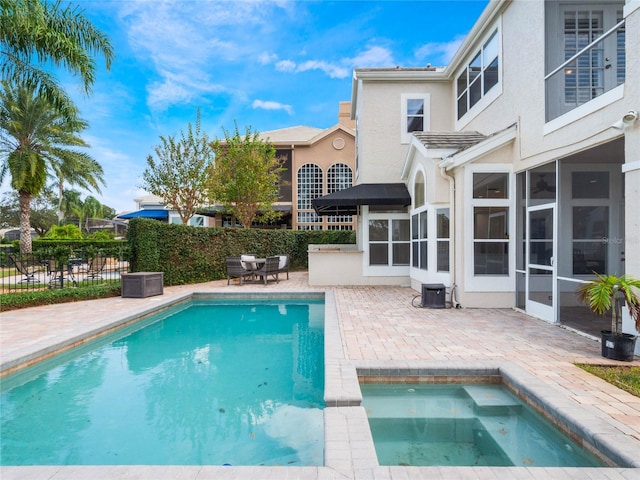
[35, 139]
[245, 176]
[76, 171]
[91, 208]
[45, 32]
[69, 205]
[181, 172]
[42, 211]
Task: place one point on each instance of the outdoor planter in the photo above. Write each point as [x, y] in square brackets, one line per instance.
[142, 284]
[605, 295]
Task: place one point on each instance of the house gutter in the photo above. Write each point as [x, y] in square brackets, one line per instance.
[452, 232]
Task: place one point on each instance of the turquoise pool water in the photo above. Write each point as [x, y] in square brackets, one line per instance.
[464, 425]
[211, 383]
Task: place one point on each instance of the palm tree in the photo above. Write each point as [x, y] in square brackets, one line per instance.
[34, 142]
[91, 208]
[51, 35]
[69, 205]
[75, 171]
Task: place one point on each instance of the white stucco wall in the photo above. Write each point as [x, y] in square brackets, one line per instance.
[380, 151]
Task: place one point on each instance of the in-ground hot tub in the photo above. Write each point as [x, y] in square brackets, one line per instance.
[464, 425]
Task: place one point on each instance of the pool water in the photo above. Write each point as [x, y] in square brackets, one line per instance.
[213, 383]
[464, 425]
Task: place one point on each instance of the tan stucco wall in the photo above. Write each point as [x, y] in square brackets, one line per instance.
[324, 154]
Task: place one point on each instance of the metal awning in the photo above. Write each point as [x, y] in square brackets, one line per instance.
[347, 201]
[156, 214]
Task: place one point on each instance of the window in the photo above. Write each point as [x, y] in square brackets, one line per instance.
[491, 223]
[419, 240]
[590, 213]
[309, 187]
[389, 242]
[418, 191]
[574, 27]
[415, 115]
[339, 177]
[479, 76]
[442, 239]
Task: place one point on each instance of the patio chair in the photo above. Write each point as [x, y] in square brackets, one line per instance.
[270, 267]
[235, 269]
[96, 267]
[59, 273]
[283, 264]
[25, 268]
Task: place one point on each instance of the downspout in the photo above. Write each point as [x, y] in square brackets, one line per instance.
[452, 230]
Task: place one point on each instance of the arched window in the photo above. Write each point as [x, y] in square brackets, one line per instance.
[418, 190]
[309, 187]
[339, 177]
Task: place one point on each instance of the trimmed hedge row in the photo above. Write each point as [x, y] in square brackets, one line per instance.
[14, 301]
[192, 255]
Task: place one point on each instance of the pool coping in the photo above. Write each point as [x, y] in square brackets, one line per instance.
[349, 449]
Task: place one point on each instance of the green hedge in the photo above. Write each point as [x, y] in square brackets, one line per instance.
[13, 301]
[191, 255]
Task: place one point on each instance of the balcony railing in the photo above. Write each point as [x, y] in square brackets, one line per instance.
[595, 69]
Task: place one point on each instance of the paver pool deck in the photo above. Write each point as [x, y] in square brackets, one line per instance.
[378, 328]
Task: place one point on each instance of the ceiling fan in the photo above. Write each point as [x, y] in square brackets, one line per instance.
[543, 186]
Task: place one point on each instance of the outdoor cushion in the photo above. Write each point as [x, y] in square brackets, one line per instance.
[282, 262]
[247, 263]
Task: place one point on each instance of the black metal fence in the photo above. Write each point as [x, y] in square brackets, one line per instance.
[61, 267]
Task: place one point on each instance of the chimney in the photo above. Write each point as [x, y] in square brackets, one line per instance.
[344, 115]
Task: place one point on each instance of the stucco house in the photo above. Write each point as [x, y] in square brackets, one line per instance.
[317, 162]
[510, 175]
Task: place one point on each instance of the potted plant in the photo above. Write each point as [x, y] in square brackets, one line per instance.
[607, 294]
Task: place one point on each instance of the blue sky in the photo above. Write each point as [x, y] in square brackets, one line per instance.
[267, 65]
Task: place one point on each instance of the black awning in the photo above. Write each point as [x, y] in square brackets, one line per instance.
[347, 201]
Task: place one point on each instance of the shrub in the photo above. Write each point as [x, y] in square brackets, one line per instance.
[190, 255]
[14, 301]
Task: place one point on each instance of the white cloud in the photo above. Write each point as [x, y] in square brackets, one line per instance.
[373, 57]
[286, 66]
[333, 71]
[439, 53]
[187, 43]
[269, 105]
[266, 58]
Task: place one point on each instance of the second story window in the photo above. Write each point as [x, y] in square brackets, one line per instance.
[584, 53]
[415, 115]
[479, 76]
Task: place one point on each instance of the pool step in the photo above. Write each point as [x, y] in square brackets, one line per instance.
[492, 401]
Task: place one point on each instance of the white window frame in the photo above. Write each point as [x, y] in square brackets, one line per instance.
[491, 95]
[382, 270]
[405, 137]
[483, 283]
[305, 215]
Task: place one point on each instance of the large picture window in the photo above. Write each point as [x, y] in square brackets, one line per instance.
[481, 74]
[490, 224]
[389, 242]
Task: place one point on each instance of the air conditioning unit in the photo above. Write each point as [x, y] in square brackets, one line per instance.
[433, 295]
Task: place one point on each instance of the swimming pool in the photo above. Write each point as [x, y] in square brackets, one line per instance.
[464, 425]
[213, 382]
